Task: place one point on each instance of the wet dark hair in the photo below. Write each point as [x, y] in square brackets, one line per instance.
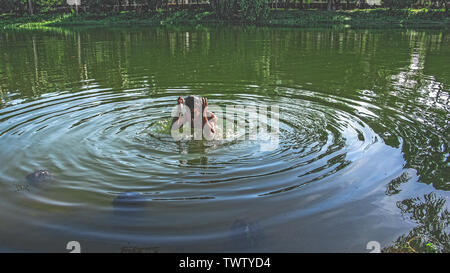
[193, 102]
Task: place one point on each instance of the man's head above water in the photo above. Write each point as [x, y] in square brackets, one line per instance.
[194, 103]
[198, 110]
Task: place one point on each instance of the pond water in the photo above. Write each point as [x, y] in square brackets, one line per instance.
[362, 152]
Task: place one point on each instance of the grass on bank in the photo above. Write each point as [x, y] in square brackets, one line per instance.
[303, 18]
[121, 19]
[361, 18]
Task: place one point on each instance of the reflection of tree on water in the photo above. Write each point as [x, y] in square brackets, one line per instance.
[432, 233]
[422, 100]
[394, 186]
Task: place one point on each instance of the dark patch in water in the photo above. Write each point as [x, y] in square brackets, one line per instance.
[129, 200]
[40, 176]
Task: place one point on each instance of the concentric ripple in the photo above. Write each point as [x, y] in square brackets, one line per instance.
[103, 143]
[100, 144]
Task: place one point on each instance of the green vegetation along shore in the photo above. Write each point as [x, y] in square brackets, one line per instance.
[281, 17]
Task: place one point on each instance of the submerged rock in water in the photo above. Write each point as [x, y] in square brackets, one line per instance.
[39, 176]
[129, 199]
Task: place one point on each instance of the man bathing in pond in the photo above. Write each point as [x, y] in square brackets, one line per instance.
[197, 114]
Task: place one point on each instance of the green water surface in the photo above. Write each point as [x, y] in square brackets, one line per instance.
[362, 153]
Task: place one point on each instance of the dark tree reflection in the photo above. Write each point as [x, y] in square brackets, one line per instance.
[432, 232]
